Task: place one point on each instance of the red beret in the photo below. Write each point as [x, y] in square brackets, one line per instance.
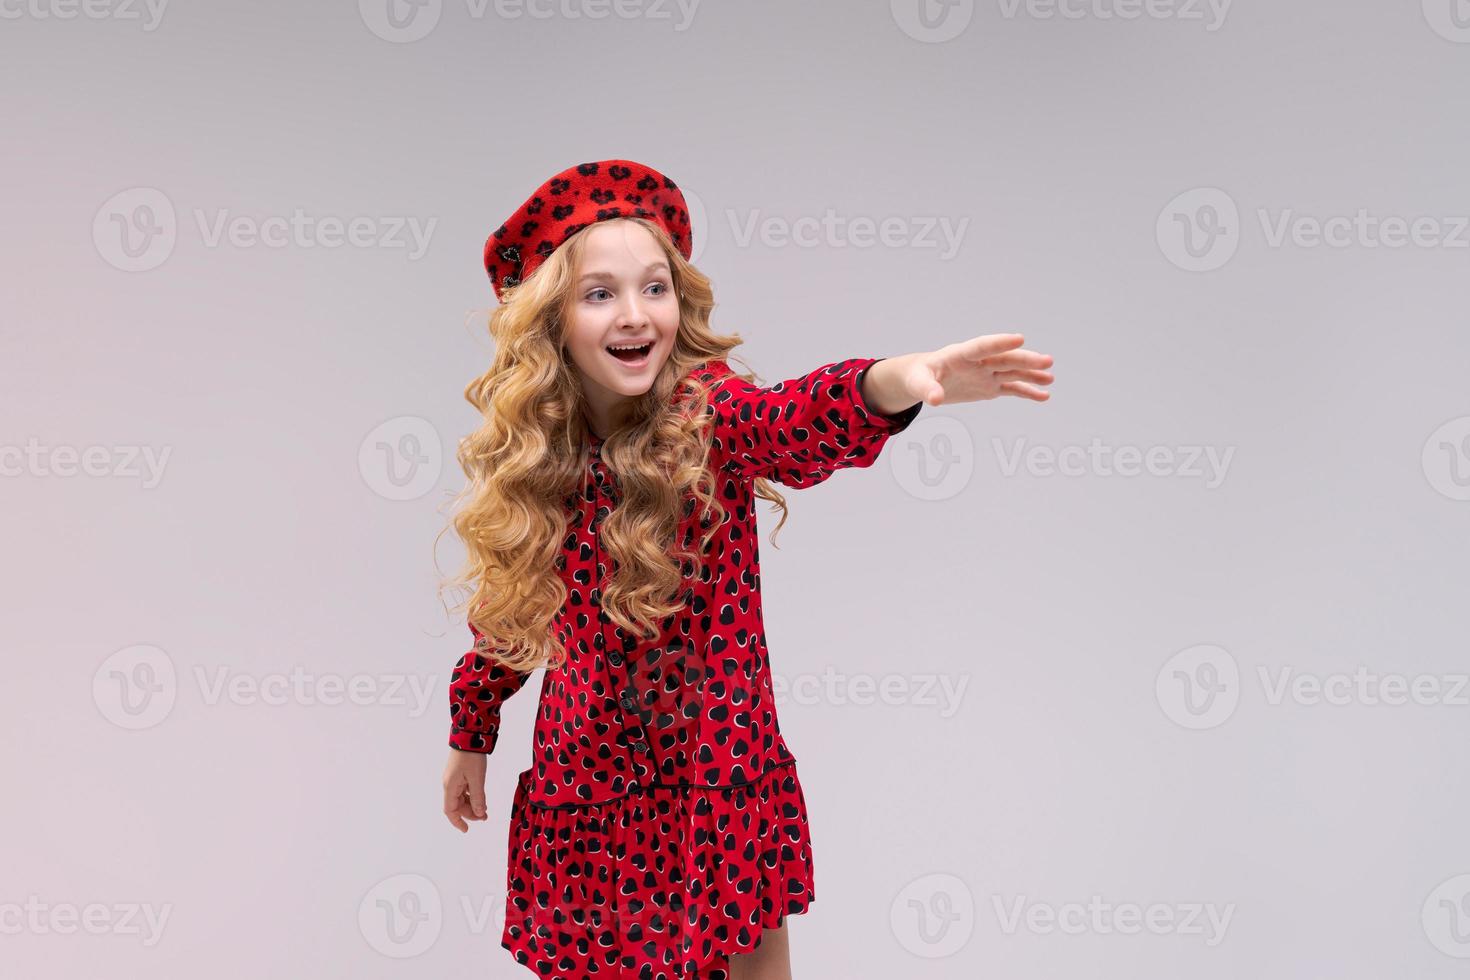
[572, 200]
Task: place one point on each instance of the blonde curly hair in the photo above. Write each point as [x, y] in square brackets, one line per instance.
[529, 456]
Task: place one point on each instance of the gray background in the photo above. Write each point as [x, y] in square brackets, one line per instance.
[1072, 611]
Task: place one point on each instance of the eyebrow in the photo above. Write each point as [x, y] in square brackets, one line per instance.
[608, 276]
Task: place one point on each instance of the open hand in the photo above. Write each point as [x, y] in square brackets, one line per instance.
[974, 370]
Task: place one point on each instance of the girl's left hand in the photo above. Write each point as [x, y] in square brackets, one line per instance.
[977, 369]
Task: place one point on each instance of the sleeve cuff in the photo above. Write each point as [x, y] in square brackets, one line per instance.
[891, 423]
[468, 741]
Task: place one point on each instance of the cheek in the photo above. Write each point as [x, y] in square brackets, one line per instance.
[586, 332]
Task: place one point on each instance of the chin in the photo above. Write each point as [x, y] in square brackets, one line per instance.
[629, 387]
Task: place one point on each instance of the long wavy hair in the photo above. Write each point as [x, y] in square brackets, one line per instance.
[527, 460]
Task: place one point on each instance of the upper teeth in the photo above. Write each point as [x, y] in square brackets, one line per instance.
[629, 346]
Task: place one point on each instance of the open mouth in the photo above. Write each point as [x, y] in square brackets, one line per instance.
[631, 355]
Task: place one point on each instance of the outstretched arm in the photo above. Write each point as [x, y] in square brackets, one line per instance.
[800, 431]
[967, 371]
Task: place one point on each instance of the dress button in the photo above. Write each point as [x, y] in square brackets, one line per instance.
[628, 703]
[639, 746]
[616, 659]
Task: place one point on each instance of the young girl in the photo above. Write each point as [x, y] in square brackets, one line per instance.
[610, 526]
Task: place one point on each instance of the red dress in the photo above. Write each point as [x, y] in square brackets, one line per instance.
[661, 826]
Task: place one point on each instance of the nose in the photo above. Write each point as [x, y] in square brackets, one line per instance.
[632, 312]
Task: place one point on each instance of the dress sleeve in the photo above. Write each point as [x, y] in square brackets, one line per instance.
[478, 686]
[800, 431]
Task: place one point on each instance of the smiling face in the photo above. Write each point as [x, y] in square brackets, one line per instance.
[623, 298]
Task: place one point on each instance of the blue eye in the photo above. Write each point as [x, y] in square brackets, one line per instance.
[592, 296]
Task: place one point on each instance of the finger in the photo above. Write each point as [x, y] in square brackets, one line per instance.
[455, 804]
[1036, 377]
[1019, 359]
[990, 345]
[456, 818]
[1024, 390]
[464, 805]
[477, 800]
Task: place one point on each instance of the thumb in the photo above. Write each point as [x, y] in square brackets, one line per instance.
[477, 798]
[933, 391]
